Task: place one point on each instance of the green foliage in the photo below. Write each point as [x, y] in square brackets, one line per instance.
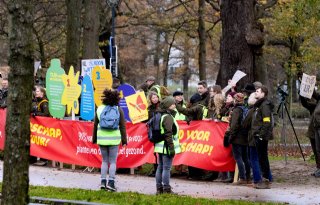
[297, 25]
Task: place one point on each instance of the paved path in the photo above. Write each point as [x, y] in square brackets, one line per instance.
[44, 176]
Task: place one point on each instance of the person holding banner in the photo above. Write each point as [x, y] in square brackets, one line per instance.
[40, 107]
[178, 96]
[109, 139]
[169, 147]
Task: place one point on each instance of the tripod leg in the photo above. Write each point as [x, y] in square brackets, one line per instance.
[294, 131]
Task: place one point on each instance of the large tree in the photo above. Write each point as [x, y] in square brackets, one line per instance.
[17, 146]
[91, 29]
[242, 38]
[73, 34]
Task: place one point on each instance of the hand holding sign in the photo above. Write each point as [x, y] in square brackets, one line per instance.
[236, 77]
[308, 83]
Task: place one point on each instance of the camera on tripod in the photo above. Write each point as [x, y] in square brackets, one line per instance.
[283, 93]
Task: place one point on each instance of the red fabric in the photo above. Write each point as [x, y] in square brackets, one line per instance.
[2, 127]
[71, 142]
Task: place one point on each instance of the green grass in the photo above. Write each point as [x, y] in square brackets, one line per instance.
[124, 198]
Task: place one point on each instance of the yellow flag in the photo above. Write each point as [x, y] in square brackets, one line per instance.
[138, 107]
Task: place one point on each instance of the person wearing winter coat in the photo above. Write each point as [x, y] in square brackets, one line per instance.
[167, 148]
[253, 153]
[178, 97]
[154, 106]
[4, 93]
[316, 128]
[239, 139]
[154, 103]
[40, 107]
[40, 104]
[310, 105]
[109, 139]
[216, 102]
[262, 128]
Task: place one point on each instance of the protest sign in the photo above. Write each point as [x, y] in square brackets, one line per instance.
[308, 83]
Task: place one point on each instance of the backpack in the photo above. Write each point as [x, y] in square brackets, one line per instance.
[154, 128]
[244, 113]
[110, 118]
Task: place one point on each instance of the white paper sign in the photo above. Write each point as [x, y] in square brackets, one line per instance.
[37, 65]
[89, 64]
[307, 85]
[236, 77]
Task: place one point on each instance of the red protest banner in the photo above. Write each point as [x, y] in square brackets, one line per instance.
[71, 142]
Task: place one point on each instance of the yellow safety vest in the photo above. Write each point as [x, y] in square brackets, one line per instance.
[180, 116]
[106, 136]
[160, 146]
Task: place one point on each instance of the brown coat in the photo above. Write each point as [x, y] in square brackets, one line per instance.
[122, 127]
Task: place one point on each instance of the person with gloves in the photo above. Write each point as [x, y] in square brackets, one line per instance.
[167, 148]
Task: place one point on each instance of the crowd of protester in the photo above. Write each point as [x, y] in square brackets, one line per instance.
[248, 112]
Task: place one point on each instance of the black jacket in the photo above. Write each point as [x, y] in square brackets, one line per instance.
[238, 135]
[262, 120]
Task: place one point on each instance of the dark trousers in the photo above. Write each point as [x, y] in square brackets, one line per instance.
[315, 144]
[262, 149]
[255, 165]
[240, 154]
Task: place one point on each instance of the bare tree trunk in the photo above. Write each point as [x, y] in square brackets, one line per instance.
[202, 40]
[166, 54]
[17, 145]
[157, 54]
[186, 74]
[236, 53]
[73, 34]
[91, 29]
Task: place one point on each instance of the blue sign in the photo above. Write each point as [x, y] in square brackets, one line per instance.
[125, 90]
[87, 100]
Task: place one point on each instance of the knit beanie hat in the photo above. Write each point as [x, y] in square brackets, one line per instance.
[195, 98]
[232, 94]
[239, 98]
[257, 84]
[150, 78]
[177, 93]
[167, 102]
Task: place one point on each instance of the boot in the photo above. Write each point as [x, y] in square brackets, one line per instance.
[103, 184]
[261, 185]
[240, 182]
[159, 190]
[111, 186]
[168, 190]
